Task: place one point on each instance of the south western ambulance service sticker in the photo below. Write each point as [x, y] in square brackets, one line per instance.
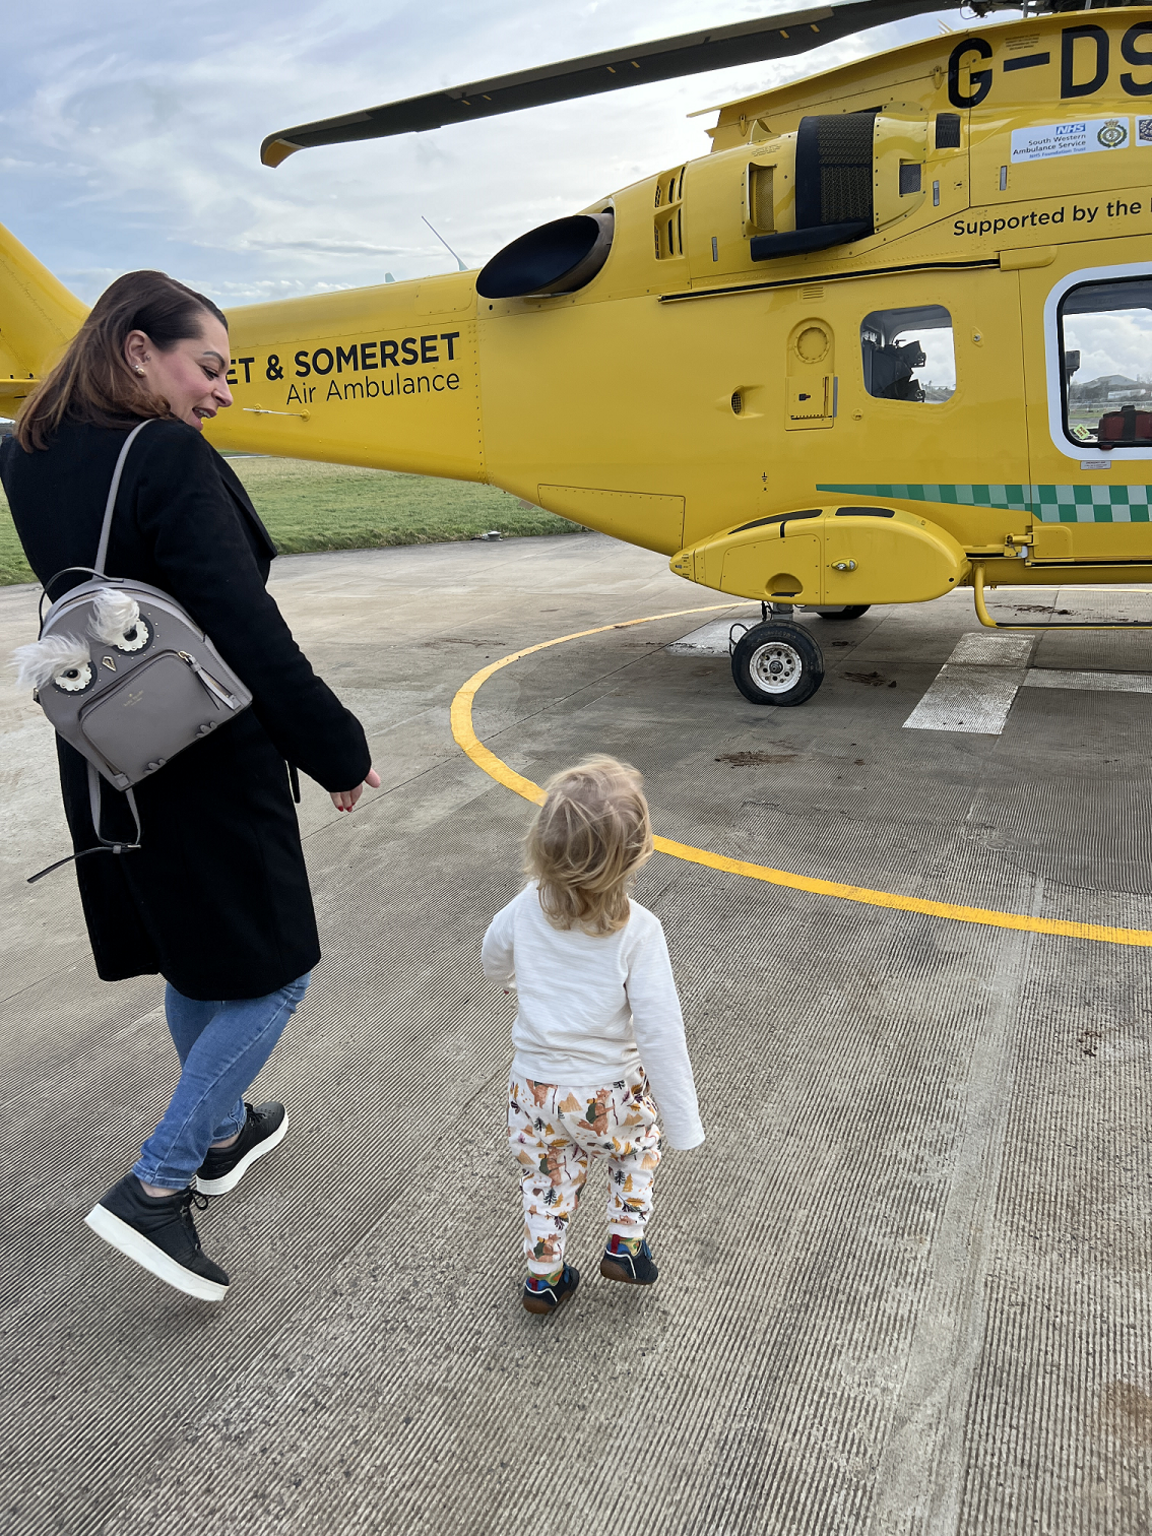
[1058, 139]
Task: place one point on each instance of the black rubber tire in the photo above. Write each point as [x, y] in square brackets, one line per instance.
[853, 612]
[782, 652]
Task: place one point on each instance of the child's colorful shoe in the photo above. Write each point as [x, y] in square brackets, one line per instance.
[542, 1295]
[623, 1262]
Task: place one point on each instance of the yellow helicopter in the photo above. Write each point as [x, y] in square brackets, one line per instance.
[890, 337]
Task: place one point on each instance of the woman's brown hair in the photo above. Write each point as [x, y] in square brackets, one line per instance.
[589, 838]
[93, 382]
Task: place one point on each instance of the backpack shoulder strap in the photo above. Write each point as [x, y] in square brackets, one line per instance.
[106, 845]
[110, 506]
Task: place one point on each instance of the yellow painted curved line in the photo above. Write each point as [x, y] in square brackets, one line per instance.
[496, 768]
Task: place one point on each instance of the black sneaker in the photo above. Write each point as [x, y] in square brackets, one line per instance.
[632, 1268]
[550, 1298]
[224, 1167]
[159, 1234]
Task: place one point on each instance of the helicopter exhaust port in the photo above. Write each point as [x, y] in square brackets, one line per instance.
[560, 257]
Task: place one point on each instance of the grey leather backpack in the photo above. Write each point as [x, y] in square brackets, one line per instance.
[125, 676]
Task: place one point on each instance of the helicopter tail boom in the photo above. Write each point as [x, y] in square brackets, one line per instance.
[383, 377]
[38, 317]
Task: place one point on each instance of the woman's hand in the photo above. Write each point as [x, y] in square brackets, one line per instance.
[345, 799]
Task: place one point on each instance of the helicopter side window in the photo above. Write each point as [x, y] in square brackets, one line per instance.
[908, 354]
[1105, 345]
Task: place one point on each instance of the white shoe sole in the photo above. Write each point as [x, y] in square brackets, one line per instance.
[230, 1180]
[136, 1246]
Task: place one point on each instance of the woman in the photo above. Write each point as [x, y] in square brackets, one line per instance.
[216, 899]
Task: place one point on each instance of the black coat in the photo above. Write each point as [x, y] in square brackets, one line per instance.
[217, 899]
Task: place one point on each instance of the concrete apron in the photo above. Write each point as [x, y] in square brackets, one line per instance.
[903, 1283]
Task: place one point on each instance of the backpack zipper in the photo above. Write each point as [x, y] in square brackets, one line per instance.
[209, 682]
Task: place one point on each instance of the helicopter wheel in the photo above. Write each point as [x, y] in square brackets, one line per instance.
[777, 663]
[856, 611]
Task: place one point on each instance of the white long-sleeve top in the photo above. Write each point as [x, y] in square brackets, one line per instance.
[591, 1009]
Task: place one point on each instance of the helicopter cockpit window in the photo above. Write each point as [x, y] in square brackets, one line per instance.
[908, 354]
[1105, 351]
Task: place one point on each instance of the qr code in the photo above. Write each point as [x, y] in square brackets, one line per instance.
[1144, 130]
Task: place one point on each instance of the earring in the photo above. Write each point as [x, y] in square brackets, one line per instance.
[139, 370]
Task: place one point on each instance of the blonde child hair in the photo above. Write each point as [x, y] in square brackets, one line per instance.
[588, 839]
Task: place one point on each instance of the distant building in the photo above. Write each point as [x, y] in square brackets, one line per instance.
[1111, 386]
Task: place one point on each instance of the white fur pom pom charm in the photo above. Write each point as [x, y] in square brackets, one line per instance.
[61, 660]
[116, 620]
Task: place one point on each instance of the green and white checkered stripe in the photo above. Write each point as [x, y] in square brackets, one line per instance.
[1091, 503]
[1046, 503]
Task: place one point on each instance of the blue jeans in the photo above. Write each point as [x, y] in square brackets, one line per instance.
[222, 1047]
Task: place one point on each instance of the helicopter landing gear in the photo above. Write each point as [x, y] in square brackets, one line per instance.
[777, 663]
[854, 611]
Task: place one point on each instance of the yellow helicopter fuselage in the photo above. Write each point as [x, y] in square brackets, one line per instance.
[696, 385]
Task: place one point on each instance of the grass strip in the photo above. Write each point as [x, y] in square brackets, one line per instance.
[309, 507]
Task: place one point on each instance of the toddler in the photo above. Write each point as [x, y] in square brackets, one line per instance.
[598, 1030]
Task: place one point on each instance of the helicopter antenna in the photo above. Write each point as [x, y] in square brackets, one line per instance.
[446, 246]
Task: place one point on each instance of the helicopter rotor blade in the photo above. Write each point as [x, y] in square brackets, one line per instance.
[746, 42]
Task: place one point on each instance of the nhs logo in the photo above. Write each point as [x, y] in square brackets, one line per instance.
[1065, 128]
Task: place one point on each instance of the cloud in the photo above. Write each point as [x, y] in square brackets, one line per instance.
[325, 247]
[132, 134]
[1116, 341]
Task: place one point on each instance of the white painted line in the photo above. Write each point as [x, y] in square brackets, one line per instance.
[986, 648]
[974, 689]
[972, 699]
[710, 639]
[1094, 682]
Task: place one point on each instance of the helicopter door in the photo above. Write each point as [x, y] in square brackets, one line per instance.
[931, 406]
[1088, 340]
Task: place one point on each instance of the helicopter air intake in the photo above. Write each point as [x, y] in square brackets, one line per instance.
[560, 257]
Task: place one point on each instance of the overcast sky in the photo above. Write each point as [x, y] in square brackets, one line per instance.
[130, 132]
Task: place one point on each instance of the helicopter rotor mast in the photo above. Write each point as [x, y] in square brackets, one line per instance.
[747, 42]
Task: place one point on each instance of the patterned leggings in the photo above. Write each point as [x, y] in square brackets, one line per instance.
[554, 1131]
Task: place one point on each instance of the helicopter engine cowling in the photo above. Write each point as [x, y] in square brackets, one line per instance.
[854, 173]
[829, 555]
[559, 257]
